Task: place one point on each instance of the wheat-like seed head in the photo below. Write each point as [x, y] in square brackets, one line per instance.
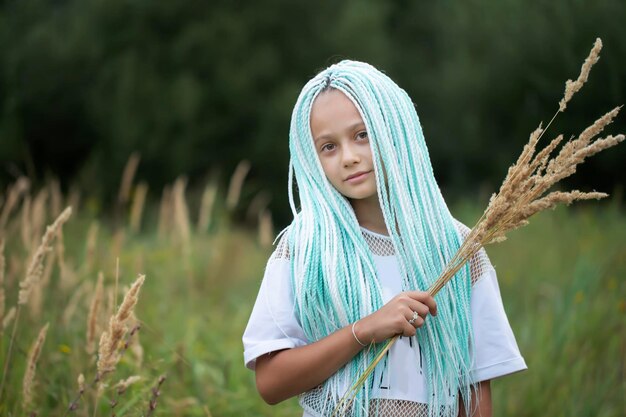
[8, 318]
[236, 184]
[136, 211]
[572, 87]
[206, 206]
[26, 230]
[35, 268]
[31, 365]
[81, 383]
[108, 354]
[127, 177]
[13, 195]
[181, 212]
[123, 384]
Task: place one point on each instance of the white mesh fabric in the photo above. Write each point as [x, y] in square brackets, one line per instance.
[381, 245]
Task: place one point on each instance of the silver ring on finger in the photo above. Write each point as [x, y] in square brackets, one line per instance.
[415, 316]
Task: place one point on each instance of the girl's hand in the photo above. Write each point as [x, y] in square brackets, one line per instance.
[393, 318]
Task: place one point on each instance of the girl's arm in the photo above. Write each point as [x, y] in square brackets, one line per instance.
[283, 374]
[480, 401]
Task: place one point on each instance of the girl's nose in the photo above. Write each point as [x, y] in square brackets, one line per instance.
[350, 156]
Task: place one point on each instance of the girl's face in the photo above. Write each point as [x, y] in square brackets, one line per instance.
[342, 145]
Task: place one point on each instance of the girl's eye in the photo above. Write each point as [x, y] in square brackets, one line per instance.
[362, 135]
[328, 147]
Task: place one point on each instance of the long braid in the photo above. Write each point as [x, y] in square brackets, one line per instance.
[332, 268]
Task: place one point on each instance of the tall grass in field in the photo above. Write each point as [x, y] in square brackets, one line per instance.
[561, 278]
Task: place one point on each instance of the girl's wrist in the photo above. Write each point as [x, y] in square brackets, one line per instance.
[359, 336]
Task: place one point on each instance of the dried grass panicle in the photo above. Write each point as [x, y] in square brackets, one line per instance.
[572, 87]
[127, 177]
[38, 214]
[123, 384]
[81, 383]
[181, 212]
[108, 354]
[8, 318]
[543, 157]
[94, 308]
[26, 229]
[523, 192]
[572, 147]
[31, 366]
[236, 184]
[206, 207]
[35, 268]
[13, 195]
[136, 211]
[551, 200]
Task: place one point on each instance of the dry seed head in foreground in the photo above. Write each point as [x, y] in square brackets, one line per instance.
[31, 365]
[35, 269]
[108, 355]
[572, 87]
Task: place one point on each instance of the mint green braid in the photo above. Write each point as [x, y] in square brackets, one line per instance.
[332, 268]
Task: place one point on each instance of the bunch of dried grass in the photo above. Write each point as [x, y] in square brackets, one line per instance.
[523, 192]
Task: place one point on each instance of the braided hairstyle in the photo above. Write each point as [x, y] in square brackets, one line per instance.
[332, 268]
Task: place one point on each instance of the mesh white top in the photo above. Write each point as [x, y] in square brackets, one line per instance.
[399, 385]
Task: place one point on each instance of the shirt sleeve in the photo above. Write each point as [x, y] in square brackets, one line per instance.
[273, 324]
[495, 348]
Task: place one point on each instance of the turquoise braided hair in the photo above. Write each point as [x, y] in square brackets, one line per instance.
[332, 268]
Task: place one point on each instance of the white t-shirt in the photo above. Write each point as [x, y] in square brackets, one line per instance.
[274, 326]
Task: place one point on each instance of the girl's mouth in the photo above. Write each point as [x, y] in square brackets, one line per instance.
[358, 177]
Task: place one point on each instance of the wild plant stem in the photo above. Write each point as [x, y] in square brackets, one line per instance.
[8, 357]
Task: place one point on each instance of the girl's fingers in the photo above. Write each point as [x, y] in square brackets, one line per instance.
[425, 299]
[418, 307]
[413, 320]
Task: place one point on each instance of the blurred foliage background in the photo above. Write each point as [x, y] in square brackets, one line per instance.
[192, 88]
[196, 86]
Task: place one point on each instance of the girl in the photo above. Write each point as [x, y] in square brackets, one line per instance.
[371, 234]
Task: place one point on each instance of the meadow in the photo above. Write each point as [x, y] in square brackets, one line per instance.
[561, 278]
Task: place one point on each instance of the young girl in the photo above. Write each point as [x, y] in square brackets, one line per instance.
[371, 234]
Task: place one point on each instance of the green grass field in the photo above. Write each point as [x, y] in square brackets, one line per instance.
[561, 278]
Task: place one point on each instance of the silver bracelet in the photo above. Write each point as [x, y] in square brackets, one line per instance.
[356, 338]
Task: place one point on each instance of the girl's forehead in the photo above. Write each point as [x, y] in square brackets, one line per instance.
[332, 110]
